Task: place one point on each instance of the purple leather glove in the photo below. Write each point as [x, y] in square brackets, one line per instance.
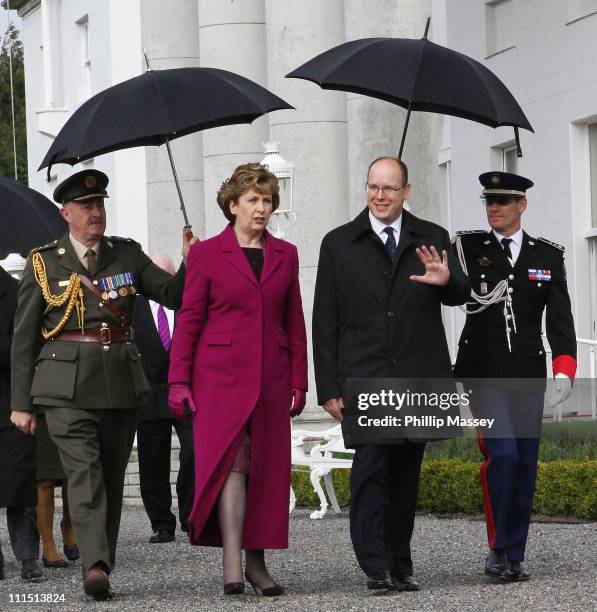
[299, 397]
[177, 395]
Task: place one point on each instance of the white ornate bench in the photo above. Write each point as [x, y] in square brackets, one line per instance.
[320, 460]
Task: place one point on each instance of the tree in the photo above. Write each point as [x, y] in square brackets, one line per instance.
[11, 36]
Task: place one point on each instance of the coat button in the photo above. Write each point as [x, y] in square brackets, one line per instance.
[391, 314]
[482, 275]
[540, 352]
[511, 277]
[95, 282]
[466, 341]
[106, 348]
[538, 284]
[53, 354]
[510, 289]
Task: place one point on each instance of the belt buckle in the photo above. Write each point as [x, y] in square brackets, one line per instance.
[105, 335]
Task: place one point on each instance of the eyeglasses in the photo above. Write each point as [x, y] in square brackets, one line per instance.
[386, 189]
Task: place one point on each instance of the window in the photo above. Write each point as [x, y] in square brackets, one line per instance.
[578, 9]
[505, 157]
[84, 88]
[499, 22]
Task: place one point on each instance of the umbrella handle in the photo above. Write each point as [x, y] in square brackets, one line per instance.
[404, 130]
[182, 207]
[517, 138]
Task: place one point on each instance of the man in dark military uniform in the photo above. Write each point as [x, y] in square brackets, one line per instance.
[515, 278]
[80, 291]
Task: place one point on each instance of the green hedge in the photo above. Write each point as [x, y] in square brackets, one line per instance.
[574, 440]
[564, 488]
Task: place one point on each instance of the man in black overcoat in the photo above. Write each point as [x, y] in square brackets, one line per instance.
[381, 281]
[154, 432]
[18, 492]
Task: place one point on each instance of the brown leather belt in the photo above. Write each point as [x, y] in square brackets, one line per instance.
[103, 335]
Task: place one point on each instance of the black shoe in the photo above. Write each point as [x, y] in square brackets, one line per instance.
[379, 585]
[273, 591]
[59, 563]
[71, 552]
[96, 583]
[514, 572]
[495, 563]
[234, 588]
[162, 536]
[404, 582]
[31, 570]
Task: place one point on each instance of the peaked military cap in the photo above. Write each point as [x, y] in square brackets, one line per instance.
[81, 186]
[503, 185]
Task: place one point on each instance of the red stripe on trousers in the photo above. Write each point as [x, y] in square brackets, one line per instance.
[486, 497]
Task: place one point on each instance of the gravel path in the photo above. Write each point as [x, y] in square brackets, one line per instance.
[320, 572]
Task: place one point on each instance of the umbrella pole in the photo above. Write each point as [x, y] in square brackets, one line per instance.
[517, 138]
[404, 130]
[184, 212]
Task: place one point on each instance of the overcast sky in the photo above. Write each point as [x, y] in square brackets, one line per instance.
[4, 14]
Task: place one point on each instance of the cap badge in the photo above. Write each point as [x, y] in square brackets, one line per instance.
[90, 181]
[495, 179]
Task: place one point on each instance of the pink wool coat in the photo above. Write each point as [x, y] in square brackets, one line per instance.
[241, 346]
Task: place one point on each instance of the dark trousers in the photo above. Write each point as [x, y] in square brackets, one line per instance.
[384, 485]
[94, 448]
[509, 471]
[22, 531]
[153, 449]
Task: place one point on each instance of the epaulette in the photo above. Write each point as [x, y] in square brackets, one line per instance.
[553, 244]
[461, 233]
[44, 247]
[119, 239]
[466, 232]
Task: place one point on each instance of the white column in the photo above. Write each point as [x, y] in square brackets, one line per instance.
[46, 36]
[375, 126]
[313, 136]
[231, 37]
[171, 40]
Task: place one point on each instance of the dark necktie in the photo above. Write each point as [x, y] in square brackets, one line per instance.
[390, 243]
[91, 261]
[506, 246]
[164, 328]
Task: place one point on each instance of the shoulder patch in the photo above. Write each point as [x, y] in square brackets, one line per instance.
[45, 247]
[553, 244]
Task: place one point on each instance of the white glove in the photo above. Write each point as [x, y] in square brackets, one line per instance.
[562, 388]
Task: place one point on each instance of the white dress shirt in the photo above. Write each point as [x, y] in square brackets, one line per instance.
[379, 227]
[169, 314]
[515, 245]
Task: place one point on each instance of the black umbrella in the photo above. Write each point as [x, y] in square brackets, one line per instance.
[157, 107]
[417, 75]
[27, 219]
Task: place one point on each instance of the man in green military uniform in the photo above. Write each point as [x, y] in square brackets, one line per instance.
[79, 292]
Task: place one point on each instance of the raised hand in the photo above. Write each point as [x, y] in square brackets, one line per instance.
[436, 267]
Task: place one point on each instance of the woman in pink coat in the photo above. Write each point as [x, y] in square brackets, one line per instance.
[239, 359]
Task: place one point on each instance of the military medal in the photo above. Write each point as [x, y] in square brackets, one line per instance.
[483, 288]
[104, 295]
[539, 275]
[117, 285]
[132, 290]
